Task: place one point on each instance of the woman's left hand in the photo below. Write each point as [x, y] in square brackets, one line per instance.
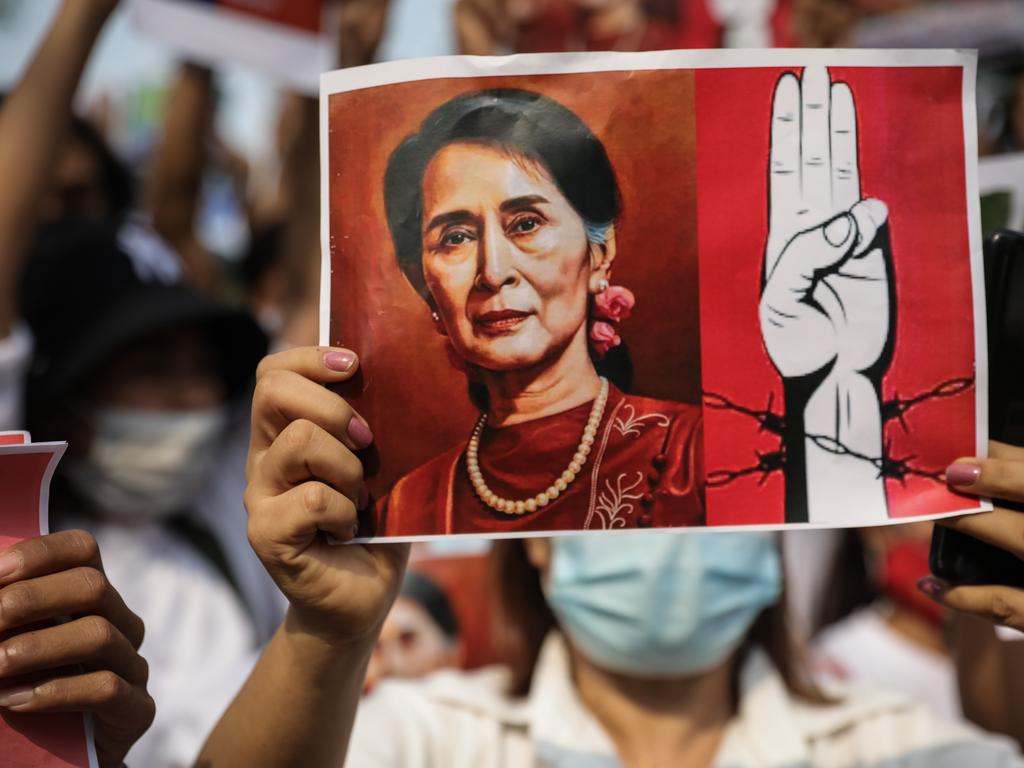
[90, 663]
[1000, 477]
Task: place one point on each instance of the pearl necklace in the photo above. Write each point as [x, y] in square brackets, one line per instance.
[509, 507]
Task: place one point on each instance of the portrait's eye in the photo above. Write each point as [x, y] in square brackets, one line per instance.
[453, 238]
[525, 225]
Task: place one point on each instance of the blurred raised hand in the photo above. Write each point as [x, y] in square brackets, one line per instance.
[305, 484]
[305, 481]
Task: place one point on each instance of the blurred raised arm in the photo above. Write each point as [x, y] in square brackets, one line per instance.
[300, 188]
[33, 123]
[305, 480]
[176, 177]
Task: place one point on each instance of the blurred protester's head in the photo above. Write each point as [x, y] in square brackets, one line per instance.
[420, 634]
[89, 181]
[131, 366]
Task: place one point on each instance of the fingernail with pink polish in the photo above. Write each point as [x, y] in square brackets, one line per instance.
[932, 586]
[15, 697]
[340, 361]
[962, 474]
[359, 432]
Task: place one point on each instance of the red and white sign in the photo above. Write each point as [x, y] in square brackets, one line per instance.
[293, 41]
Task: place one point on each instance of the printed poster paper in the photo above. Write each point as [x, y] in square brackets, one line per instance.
[35, 740]
[290, 40]
[657, 290]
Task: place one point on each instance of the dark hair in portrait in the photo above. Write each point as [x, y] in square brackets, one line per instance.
[527, 125]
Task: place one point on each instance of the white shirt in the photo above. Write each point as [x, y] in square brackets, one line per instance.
[199, 641]
[464, 720]
[864, 648]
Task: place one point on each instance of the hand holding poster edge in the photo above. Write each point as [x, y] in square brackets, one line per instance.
[18, 443]
[841, 175]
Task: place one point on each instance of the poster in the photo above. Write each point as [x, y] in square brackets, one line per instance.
[668, 289]
[292, 41]
[35, 740]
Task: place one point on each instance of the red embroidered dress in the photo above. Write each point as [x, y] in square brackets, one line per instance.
[645, 470]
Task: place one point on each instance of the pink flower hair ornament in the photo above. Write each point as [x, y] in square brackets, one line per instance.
[614, 304]
[611, 306]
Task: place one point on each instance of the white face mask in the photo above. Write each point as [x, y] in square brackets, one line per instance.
[146, 465]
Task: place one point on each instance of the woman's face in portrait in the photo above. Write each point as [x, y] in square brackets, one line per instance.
[505, 256]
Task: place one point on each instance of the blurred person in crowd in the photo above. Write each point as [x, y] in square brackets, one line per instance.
[419, 636]
[89, 180]
[278, 272]
[1002, 122]
[643, 650]
[535, 26]
[824, 23]
[830, 23]
[108, 346]
[878, 628]
[70, 644]
[147, 380]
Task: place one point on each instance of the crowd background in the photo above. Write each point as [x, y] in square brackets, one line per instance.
[218, 172]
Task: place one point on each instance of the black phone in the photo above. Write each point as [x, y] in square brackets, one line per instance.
[957, 557]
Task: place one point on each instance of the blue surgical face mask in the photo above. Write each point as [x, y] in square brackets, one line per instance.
[661, 605]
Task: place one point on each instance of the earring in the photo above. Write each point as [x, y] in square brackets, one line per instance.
[435, 317]
[602, 285]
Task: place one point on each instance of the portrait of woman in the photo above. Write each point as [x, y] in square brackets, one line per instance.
[502, 209]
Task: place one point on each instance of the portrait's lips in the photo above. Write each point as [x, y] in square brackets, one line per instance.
[500, 321]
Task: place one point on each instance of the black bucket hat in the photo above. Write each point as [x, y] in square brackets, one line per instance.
[89, 289]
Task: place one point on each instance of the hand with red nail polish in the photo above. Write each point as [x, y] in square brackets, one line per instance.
[1001, 478]
[306, 480]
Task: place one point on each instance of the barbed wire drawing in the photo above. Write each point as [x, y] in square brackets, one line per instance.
[891, 467]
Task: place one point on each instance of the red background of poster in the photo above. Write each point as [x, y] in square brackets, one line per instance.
[301, 14]
[907, 117]
[414, 400]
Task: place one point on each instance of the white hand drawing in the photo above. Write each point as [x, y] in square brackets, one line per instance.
[826, 303]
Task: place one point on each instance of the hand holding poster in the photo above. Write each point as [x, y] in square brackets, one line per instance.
[34, 740]
[290, 40]
[677, 289]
